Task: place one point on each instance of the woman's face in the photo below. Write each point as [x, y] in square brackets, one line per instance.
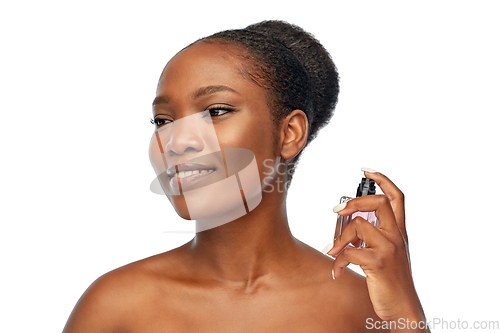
[203, 107]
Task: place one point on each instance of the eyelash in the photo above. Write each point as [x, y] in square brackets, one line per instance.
[226, 109]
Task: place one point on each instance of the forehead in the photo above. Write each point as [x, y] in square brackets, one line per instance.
[203, 64]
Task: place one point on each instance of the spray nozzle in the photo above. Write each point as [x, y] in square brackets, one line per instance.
[366, 187]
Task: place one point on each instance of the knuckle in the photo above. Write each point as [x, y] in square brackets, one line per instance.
[359, 225]
[383, 199]
[347, 252]
[357, 221]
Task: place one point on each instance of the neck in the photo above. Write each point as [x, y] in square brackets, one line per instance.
[251, 247]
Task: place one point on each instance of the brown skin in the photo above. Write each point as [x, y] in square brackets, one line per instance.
[249, 275]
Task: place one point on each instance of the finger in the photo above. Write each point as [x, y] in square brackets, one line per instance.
[351, 256]
[371, 203]
[359, 228]
[395, 195]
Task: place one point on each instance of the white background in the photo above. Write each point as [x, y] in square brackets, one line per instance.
[419, 102]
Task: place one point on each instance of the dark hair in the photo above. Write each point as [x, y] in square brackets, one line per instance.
[292, 66]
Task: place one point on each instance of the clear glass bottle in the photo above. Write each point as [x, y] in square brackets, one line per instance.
[366, 187]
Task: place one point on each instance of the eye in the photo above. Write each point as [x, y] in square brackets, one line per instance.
[218, 110]
[159, 122]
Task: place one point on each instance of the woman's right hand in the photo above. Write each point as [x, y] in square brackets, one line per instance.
[385, 259]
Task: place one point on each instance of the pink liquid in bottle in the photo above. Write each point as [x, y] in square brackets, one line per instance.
[366, 187]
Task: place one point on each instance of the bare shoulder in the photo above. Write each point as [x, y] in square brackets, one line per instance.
[117, 297]
[346, 298]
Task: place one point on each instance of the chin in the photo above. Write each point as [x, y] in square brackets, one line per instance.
[179, 204]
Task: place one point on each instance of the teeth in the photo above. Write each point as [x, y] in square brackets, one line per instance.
[184, 174]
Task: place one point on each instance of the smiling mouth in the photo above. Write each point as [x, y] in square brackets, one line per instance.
[185, 176]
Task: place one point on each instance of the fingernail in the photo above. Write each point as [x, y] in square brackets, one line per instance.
[327, 248]
[369, 170]
[339, 207]
[333, 274]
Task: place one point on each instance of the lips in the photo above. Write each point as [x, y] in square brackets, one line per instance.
[187, 175]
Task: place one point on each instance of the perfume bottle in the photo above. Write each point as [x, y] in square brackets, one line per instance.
[366, 187]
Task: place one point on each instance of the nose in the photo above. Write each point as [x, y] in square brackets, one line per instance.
[183, 137]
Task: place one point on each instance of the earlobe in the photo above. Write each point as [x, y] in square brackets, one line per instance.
[293, 134]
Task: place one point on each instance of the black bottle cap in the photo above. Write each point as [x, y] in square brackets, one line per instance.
[366, 187]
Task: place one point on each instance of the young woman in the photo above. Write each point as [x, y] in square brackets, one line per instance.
[226, 102]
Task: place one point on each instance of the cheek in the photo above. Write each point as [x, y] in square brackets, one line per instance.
[258, 137]
[249, 133]
[155, 156]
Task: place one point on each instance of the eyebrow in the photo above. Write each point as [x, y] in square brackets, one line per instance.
[212, 90]
[197, 94]
[161, 100]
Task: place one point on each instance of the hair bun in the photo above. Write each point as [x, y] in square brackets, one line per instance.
[317, 61]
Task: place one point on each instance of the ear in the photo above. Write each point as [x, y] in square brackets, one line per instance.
[294, 129]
